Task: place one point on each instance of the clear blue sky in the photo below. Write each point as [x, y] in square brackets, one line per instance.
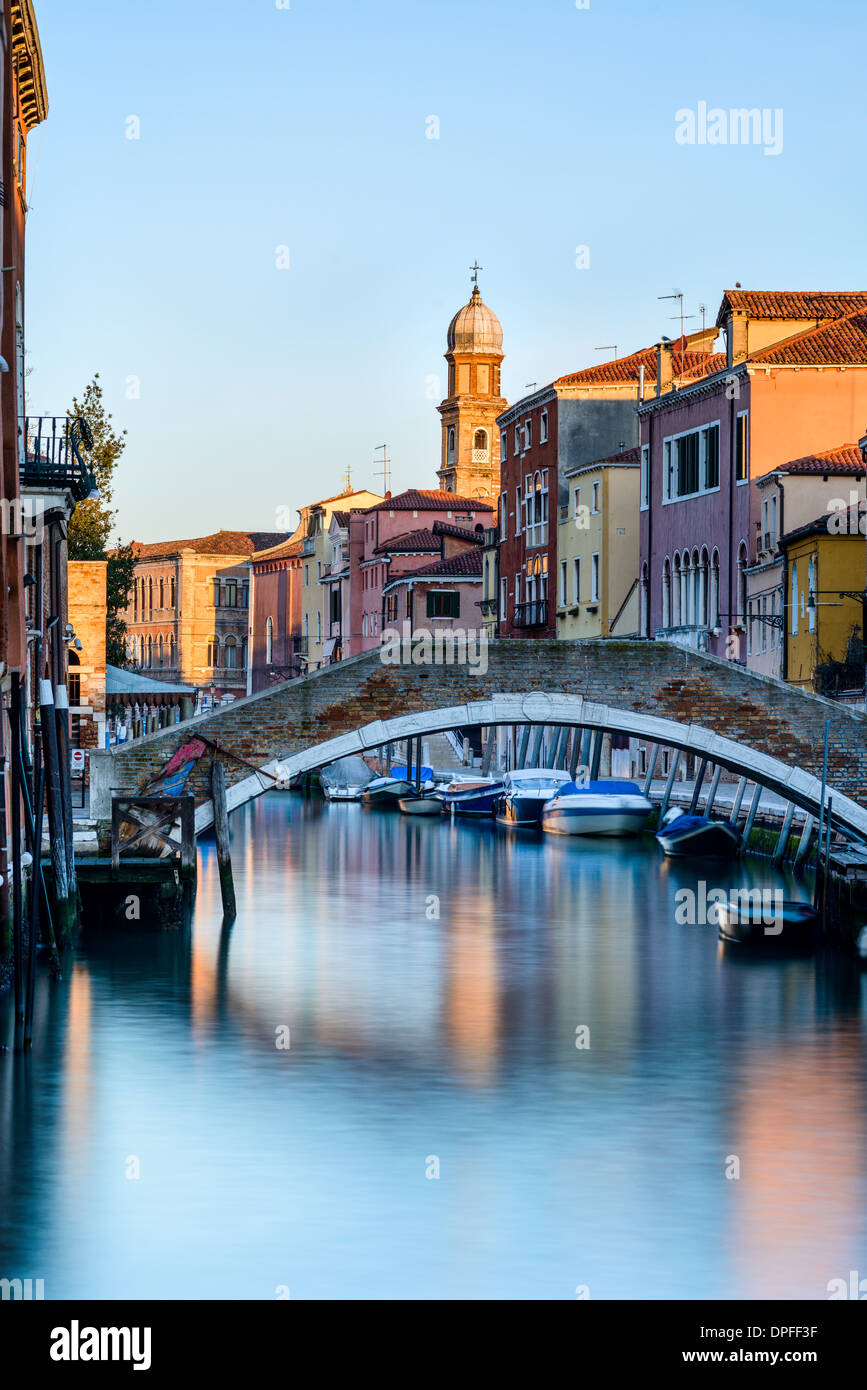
[305, 127]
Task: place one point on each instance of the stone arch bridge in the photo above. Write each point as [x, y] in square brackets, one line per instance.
[751, 725]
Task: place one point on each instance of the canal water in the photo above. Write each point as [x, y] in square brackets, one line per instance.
[370, 1086]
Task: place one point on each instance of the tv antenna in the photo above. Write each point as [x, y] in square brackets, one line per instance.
[607, 347]
[385, 471]
[678, 295]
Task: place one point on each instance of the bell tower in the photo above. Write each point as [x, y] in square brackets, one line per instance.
[470, 464]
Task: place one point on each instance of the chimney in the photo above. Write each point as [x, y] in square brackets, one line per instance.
[663, 366]
[736, 331]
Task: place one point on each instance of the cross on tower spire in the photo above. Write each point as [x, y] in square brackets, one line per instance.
[475, 269]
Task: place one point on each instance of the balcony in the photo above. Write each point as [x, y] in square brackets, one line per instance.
[492, 537]
[533, 614]
[308, 546]
[54, 455]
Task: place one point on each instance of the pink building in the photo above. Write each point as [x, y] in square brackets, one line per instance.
[398, 537]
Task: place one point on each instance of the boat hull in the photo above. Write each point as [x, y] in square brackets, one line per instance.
[516, 811]
[387, 793]
[697, 836]
[420, 806]
[585, 820]
[786, 927]
[474, 801]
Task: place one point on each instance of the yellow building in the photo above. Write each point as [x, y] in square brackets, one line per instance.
[824, 568]
[316, 557]
[490, 581]
[597, 549]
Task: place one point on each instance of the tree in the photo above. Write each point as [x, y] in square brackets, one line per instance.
[121, 566]
[92, 520]
[91, 523]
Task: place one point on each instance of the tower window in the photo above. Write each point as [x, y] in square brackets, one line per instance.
[451, 445]
[480, 446]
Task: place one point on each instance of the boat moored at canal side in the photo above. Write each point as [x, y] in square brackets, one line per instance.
[471, 796]
[525, 792]
[768, 924]
[607, 807]
[683, 835]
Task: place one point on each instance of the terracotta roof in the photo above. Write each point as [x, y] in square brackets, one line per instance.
[709, 363]
[423, 500]
[845, 460]
[822, 525]
[342, 518]
[791, 304]
[842, 342]
[220, 543]
[467, 565]
[445, 528]
[287, 550]
[411, 540]
[622, 369]
[625, 456]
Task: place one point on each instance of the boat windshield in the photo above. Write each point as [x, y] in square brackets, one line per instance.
[535, 784]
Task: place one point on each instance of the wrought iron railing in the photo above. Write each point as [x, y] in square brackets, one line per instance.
[55, 454]
[533, 614]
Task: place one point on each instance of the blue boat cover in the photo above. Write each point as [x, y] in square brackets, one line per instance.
[400, 771]
[616, 788]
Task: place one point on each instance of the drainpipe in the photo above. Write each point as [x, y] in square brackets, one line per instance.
[784, 645]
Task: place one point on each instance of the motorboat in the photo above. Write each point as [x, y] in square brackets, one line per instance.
[608, 807]
[386, 791]
[682, 835]
[764, 921]
[345, 780]
[471, 796]
[525, 792]
[421, 804]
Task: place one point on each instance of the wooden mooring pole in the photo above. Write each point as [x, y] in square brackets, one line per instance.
[221, 828]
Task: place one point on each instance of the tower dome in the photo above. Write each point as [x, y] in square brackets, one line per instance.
[475, 328]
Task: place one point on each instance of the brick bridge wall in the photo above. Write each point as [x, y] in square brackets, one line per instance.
[644, 678]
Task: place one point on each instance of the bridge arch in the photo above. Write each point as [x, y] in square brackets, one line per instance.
[553, 707]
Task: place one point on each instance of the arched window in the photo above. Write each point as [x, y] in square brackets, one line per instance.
[171, 593]
[480, 446]
[150, 651]
[243, 661]
[451, 445]
[644, 605]
[230, 654]
[742, 581]
[795, 599]
[701, 616]
[162, 593]
[135, 600]
[675, 591]
[693, 591]
[666, 593]
[150, 598]
[171, 650]
[714, 589]
[214, 652]
[160, 651]
[269, 642]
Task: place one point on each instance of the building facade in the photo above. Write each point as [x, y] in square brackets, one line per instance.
[792, 380]
[791, 497]
[597, 576]
[826, 609]
[188, 614]
[87, 658]
[316, 561]
[582, 417]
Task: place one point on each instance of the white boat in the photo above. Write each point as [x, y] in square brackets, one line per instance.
[525, 792]
[596, 808]
[345, 780]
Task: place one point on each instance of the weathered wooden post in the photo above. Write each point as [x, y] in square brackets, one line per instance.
[221, 827]
[56, 822]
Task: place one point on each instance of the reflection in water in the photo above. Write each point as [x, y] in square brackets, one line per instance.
[432, 978]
